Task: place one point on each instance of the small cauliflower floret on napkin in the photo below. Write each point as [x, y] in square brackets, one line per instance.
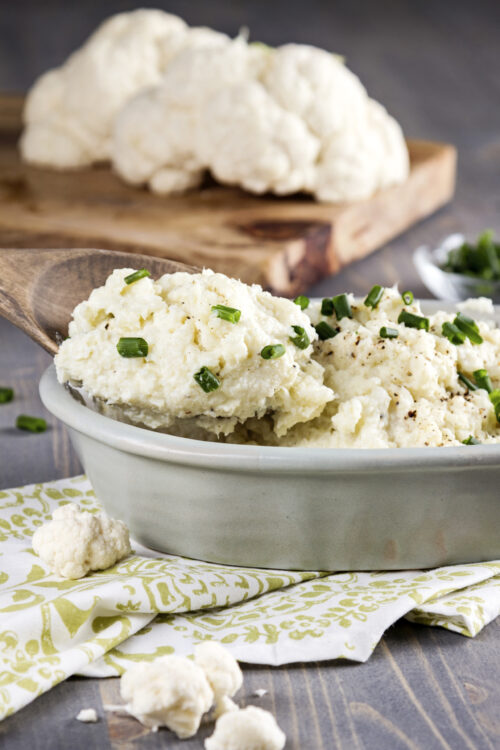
[250, 728]
[199, 366]
[70, 110]
[171, 691]
[74, 542]
[223, 673]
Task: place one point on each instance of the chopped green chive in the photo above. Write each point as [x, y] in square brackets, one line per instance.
[132, 347]
[6, 395]
[495, 400]
[413, 321]
[342, 306]
[272, 351]
[325, 331]
[227, 313]
[207, 380]
[327, 306]
[453, 334]
[31, 424]
[374, 296]
[302, 301]
[388, 333]
[469, 327]
[483, 380]
[407, 297]
[301, 340]
[140, 274]
[471, 440]
[468, 383]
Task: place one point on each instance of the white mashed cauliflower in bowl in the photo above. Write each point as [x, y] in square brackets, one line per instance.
[215, 359]
[218, 353]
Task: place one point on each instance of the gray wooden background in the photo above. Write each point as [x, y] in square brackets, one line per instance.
[436, 67]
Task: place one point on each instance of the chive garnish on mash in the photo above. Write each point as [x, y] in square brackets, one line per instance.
[410, 320]
[301, 340]
[302, 301]
[272, 351]
[136, 275]
[342, 306]
[132, 347]
[374, 296]
[232, 314]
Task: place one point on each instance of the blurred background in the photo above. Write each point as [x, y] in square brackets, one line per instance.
[434, 65]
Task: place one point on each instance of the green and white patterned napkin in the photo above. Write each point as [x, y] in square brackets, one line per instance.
[152, 604]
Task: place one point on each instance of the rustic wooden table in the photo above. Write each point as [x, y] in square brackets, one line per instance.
[437, 68]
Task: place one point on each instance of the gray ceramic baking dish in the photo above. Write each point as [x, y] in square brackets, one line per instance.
[291, 508]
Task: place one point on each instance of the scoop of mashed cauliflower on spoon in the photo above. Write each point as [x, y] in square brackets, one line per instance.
[201, 350]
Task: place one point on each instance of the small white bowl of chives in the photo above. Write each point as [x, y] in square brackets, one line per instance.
[458, 270]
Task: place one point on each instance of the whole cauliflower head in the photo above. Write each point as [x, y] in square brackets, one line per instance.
[222, 672]
[155, 134]
[186, 337]
[70, 110]
[75, 542]
[171, 691]
[250, 728]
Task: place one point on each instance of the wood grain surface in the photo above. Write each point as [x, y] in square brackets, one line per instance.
[435, 66]
[285, 244]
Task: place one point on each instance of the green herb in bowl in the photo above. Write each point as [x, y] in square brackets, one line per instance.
[480, 260]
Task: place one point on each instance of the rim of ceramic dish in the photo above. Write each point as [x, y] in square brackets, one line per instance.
[253, 458]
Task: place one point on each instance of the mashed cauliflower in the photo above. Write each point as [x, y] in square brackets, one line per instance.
[400, 392]
[355, 389]
[185, 337]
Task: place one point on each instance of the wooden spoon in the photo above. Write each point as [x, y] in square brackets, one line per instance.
[40, 288]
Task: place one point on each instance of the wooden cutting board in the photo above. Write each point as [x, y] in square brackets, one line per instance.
[285, 244]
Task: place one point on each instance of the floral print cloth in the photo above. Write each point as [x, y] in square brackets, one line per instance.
[151, 604]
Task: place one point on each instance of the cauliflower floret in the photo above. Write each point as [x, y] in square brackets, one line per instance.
[316, 86]
[185, 337]
[171, 691]
[76, 542]
[155, 135]
[359, 160]
[222, 672]
[69, 110]
[87, 716]
[247, 139]
[251, 728]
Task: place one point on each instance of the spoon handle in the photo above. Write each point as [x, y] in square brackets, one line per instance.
[20, 271]
[39, 288]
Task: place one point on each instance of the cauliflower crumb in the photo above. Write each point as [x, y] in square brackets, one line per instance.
[222, 672]
[87, 715]
[171, 691]
[75, 542]
[250, 728]
[260, 692]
